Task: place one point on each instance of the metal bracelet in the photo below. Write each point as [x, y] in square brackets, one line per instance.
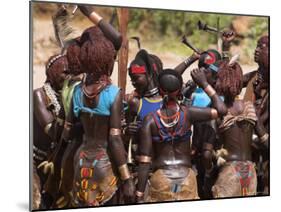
[124, 172]
[94, 17]
[47, 128]
[59, 121]
[115, 131]
[67, 125]
[144, 159]
[214, 113]
[264, 137]
[139, 194]
[210, 91]
[187, 61]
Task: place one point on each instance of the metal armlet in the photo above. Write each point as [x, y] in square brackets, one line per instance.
[214, 113]
[67, 125]
[264, 138]
[187, 61]
[47, 128]
[124, 172]
[139, 194]
[94, 17]
[210, 91]
[114, 131]
[144, 159]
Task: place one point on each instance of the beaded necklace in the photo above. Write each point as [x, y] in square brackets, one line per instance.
[52, 95]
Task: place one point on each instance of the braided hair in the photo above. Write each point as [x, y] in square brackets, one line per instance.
[72, 55]
[97, 53]
[230, 80]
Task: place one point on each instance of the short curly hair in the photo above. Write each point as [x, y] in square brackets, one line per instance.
[229, 80]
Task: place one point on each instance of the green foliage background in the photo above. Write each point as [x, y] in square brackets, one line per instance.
[162, 30]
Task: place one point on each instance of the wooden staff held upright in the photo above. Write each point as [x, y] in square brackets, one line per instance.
[123, 18]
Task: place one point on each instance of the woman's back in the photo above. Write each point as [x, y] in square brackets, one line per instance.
[236, 130]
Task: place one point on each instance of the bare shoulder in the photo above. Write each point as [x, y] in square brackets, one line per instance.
[38, 91]
[238, 107]
[133, 104]
[39, 95]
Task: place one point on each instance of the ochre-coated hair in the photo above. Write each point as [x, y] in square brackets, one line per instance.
[230, 80]
[73, 54]
[97, 53]
[55, 68]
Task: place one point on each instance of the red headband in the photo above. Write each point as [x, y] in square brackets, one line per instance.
[135, 69]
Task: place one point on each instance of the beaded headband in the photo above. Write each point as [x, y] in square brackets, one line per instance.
[54, 59]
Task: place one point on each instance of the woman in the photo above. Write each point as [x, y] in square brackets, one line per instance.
[237, 177]
[48, 121]
[76, 74]
[165, 141]
[97, 104]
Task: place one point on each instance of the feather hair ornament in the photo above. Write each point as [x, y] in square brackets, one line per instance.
[62, 28]
[234, 59]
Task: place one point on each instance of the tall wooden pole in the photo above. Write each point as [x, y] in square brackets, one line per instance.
[123, 18]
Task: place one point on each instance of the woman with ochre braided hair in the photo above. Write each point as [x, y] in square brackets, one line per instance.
[75, 66]
[100, 161]
[237, 176]
[165, 141]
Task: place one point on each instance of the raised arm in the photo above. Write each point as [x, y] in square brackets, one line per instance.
[117, 149]
[145, 154]
[227, 37]
[186, 63]
[112, 34]
[202, 114]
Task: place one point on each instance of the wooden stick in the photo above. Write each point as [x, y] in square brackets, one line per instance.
[123, 18]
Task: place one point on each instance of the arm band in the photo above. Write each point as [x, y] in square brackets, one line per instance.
[139, 194]
[187, 61]
[124, 172]
[94, 17]
[264, 138]
[59, 121]
[47, 128]
[210, 91]
[67, 125]
[144, 159]
[114, 131]
[214, 113]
